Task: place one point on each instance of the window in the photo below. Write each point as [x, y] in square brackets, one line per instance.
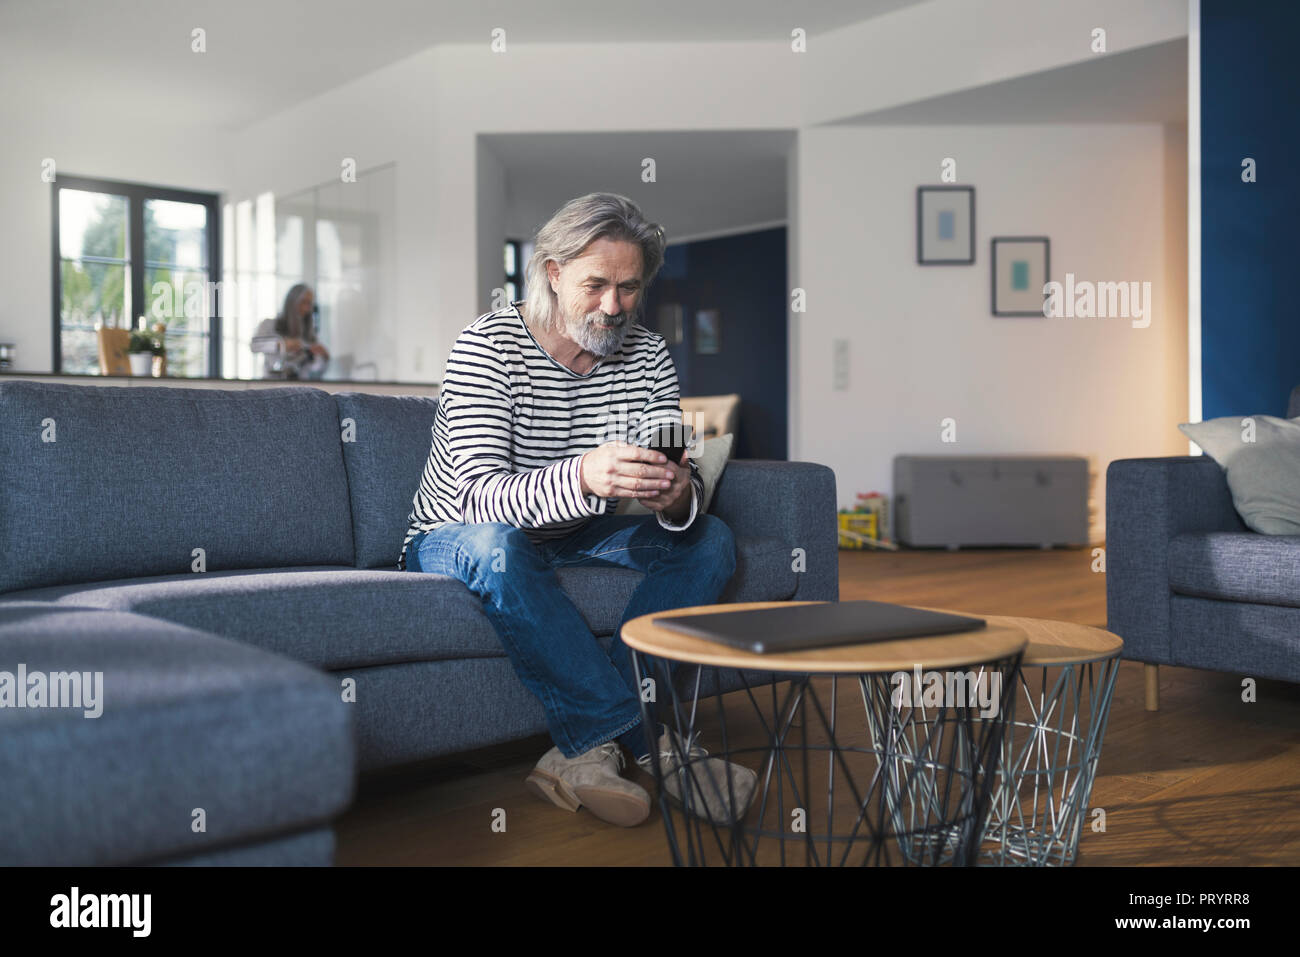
[124, 250]
[514, 270]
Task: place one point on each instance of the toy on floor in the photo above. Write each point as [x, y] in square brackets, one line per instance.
[867, 524]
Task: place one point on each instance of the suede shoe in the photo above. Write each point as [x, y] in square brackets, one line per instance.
[701, 787]
[591, 780]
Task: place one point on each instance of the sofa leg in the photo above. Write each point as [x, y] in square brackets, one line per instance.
[1152, 675]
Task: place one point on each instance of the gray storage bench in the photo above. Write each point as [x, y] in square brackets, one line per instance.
[955, 500]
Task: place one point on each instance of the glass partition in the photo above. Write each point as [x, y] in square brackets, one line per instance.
[338, 238]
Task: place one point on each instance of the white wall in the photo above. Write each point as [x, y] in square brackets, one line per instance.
[948, 45]
[924, 344]
[90, 145]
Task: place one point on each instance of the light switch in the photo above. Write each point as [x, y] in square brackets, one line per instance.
[839, 364]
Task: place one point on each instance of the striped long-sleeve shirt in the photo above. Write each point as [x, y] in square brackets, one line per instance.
[513, 423]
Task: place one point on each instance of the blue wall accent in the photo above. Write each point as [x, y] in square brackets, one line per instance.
[1250, 232]
[744, 278]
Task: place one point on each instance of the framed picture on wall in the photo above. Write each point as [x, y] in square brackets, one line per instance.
[1021, 267]
[945, 225]
[669, 318]
[708, 332]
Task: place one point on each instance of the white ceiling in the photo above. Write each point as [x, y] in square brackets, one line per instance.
[710, 182]
[1146, 85]
[264, 56]
[707, 182]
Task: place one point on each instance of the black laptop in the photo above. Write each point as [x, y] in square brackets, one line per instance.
[797, 627]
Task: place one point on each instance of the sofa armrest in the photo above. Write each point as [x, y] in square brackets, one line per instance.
[1148, 503]
[794, 502]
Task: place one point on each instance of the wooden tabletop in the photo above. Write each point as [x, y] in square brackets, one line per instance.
[1058, 642]
[1044, 643]
[946, 651]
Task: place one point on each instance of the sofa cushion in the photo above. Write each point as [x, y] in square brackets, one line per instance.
[328, 617]
[263, 745]
[1242, 638]
[1237, 566]
[1260, 456]
[339, 617]
[101, 482]
[385, 446]
[335, 618]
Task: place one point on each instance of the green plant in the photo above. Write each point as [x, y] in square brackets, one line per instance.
[142, 340]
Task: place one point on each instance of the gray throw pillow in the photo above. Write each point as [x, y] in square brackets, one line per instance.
[711, 456]
[1264, 474]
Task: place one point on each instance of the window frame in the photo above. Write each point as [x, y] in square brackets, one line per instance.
[517, 277]
[136, 194]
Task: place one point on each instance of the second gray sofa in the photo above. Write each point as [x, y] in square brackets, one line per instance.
[1187, 582]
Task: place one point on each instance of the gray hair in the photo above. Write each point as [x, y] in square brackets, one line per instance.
[288, 322]
[578, 224]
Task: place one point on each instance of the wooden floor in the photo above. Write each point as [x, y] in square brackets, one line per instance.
[1206, 780]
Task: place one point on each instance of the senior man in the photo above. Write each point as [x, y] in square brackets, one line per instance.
[535, 441]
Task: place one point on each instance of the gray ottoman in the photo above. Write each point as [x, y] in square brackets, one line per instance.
[191, 729]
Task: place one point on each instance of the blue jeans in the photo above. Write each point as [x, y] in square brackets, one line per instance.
[590, 696]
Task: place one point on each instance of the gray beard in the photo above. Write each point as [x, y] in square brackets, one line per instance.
[595, 338]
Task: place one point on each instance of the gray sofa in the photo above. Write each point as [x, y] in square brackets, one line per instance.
[1187, 583]
[260, 528]
[207, 751]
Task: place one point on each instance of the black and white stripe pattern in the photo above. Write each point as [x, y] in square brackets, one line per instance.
[512, 424]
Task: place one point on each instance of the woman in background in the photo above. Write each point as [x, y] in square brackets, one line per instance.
[289, 340]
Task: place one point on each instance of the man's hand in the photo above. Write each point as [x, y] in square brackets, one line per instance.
[674, 501]
[620, 470]
[678, 508]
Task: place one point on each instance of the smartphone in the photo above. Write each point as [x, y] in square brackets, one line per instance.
[672, 440]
